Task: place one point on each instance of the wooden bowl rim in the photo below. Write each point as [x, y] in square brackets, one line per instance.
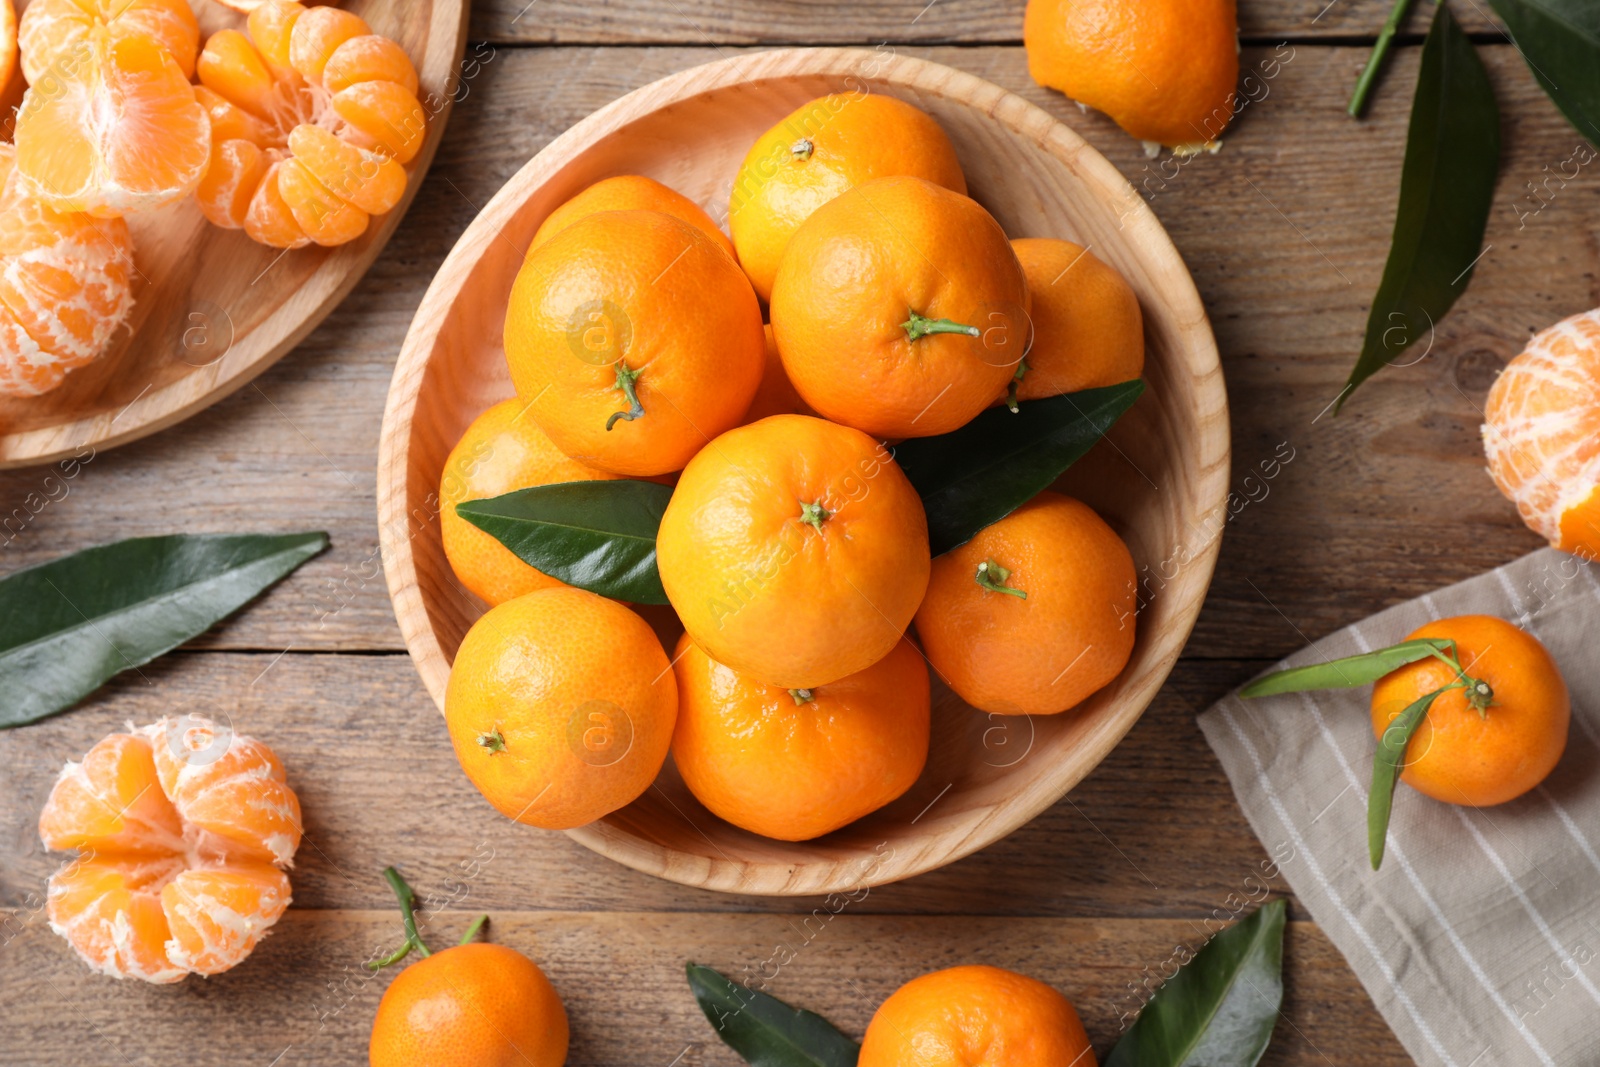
[1193, 344]
[288, 324]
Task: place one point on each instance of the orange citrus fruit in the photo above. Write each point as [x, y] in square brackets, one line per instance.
[776, 395]
[473, 1005]
[1542, 434]
[312, 117]
[976, 1015]
[560, 705]
[635, 339]
[1087, 328]
[1034, 613]
[183, 826]
[794, 764]
[815, 153]
[502, 451]
[794, 550]
[900, 309]
[55, 34]
[112, 127]
[1164, 70]
[66, 286]
[1479, 748]
[629, 192]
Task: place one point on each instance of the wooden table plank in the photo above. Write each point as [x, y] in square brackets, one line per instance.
[722, 22]
[305, 998]
[1285, 232]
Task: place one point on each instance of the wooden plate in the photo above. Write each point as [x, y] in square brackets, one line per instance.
[1161, 479]
[213, 308]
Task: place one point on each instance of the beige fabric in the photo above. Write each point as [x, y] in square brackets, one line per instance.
[1479, 940]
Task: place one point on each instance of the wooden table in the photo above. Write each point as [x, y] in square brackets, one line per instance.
[1285, 230]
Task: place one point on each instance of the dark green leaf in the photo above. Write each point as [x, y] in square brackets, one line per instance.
[1560, 39]
[765, 1031]
[1446, 189]
[599, 536]
[1220, 1007]
[1386, 764]
[68, 625]
[979, 474]
[1347, 672]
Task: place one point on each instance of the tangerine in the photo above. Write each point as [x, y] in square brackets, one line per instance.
[794, 550]
[629, 192]
[1088, 331]
[900, 309]
[1033, 614]
[815, 153]
[794, 764]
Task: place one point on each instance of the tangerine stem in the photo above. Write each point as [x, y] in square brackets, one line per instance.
[802, 149]
[494, 741]
[408, 909]
[919, 326]
[993, 577]
[801, 696]
[814, 513]
[473, 929]
[1016, 380]
[1380, 49]
[625, 380]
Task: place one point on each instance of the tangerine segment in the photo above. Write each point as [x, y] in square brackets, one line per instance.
[218, 915]
[121, 132]
[109, 910]
[111, 801]
[65, 286]
[55, 34]
[331, 111]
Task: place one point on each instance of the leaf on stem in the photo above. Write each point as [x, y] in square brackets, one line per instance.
[1220, 1007]
[1446, 189]
[765, 1031]
[1386, 765]
[1347, 672]
[1560, 39]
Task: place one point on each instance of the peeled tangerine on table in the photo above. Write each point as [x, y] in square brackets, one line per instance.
[182, 828]
[66, 285]
[110, 123]
[1542, 434]
[312, 118]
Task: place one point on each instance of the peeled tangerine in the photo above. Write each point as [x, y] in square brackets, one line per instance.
[66, 284]
[1542, 434]
[110, 124]
[312, 118]
[182, 828]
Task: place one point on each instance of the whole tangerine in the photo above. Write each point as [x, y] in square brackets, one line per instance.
[1473, 747]
[900, 309]
[629, 192]
[794, 550]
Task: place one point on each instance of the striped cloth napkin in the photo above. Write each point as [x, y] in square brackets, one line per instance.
[1479, 940]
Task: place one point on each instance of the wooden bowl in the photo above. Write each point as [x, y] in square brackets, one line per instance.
[1161, 479]
[213, 309]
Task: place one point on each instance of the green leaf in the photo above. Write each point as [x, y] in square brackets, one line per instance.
[599, 536]
[765, 1031]
[1347, 672]
[1220, 1007]
[1560, 39]
[1446, 189]
[979, 474]
[1386, 764]
[68, 625]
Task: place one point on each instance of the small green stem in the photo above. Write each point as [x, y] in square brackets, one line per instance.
[494, 740]
[1016, 380]
[408, 909]
[919, 326]
[802, 149]
[472, 931]
[625, 381]
[1380, 50]
[993, 577]
[815, 514]
[802, 696]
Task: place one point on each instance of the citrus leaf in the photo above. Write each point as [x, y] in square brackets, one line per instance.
[1560, 39]
[1347, 672]
[1220, 1007]
[979, 474]
[68, 625]
[1386, 764]
[599, 536]
[1446, 189]
[765, 1031]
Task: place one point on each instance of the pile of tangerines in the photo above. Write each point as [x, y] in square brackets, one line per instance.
[793, 550]
[297, 133]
